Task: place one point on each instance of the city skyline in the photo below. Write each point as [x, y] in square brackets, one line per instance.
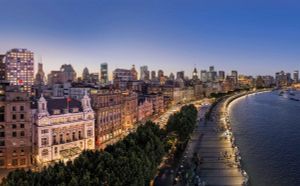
[161, 36]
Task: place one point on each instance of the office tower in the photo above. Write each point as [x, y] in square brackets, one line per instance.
[19, 69]
[234, 73]
[160, 74]
[104, 73]
[180, 75]
[40, 75]
[204, 75]
[144, 73]
[172, 77]
[296, 76]
[134, 73]
[211, 68]
[86, 75]
[153, 75]
[69, 74]
[2, 68]
[221, 75]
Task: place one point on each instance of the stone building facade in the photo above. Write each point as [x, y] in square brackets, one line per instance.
[129, 110]
[107, 105]
[15, 130]
[63, 128]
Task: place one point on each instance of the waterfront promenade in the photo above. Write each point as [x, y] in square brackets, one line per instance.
[211, 157]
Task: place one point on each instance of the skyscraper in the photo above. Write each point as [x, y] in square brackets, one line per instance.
[153, 75]
[19, 65]
[40, 75]
[221, 75]
[296, 76]
[144, 73]
[85, 74]
[104, 73]
[234, 73]
[203, 75]
[180, 75]
[2, 67]
[160, 74]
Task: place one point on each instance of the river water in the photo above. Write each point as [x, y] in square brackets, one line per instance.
[267, 131]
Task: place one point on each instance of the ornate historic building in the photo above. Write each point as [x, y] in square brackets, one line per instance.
[108, 109]
[15, 130]
[63, 128]
[145, 109]
[130, 110]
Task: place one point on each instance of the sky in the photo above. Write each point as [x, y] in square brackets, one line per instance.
[253, 37]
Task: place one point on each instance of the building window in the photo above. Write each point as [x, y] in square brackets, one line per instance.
[73, 136]
[22, 161]
[14, 134]
[22, 125]
[21, 116]
[14, 108]
[14, 117]
[90, 133]
[14, 153]
[22, 152]
[1, 153]
[2, 143]
[45, 152]
[54, 139]
[61, 139]
[55, 150]
[22, 133]
[45, 131]
[44, 141]
[79, 134]
[2, 114]
[2, 162]
[21, 108]
[14, 126]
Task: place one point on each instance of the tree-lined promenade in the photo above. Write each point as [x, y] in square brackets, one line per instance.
[131, 161]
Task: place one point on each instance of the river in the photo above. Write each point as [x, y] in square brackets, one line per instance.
[267, 131]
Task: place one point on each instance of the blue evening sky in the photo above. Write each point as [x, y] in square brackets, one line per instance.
[253, 37]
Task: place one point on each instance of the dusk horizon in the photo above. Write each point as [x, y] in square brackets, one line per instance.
[149, 93]
[255, 38]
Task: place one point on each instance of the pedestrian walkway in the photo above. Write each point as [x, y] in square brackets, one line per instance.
[217, 158]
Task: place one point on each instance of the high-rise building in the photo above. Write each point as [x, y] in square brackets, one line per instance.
[104, 73]
[204, 75]
[296, 76]
[160, 74]
[172, 77]
[144, 73]
[40, 75]
[86, 75]
[134, 73]
[153, 75]
[211, 68]
[69, 74]
[19, 69]
[221, 75]
[2, 68]
[234, 74]
[15, 130]
[180, 75]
